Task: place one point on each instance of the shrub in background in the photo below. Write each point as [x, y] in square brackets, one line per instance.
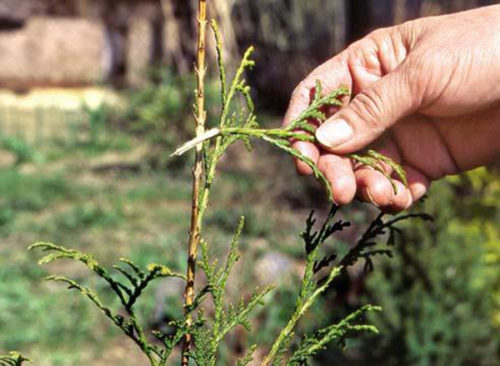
[21, 149]
[160, 112]
[441, 291]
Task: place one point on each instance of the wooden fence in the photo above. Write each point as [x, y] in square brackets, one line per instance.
[40, 124]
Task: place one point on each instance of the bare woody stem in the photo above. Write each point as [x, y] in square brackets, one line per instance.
[194, 232]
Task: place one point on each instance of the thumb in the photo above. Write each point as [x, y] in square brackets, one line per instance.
[369, 114]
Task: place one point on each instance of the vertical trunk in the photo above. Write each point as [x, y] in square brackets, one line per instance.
[200, 117]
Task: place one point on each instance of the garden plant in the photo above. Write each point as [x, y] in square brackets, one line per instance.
[201, 330]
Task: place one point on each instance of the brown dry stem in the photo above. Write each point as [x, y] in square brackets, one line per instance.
[194, 232]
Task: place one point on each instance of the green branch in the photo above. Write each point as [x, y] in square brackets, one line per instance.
[301, 129]
[137, 280]
[13, 359]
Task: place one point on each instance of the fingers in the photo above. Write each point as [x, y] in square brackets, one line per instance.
[371, 185]
[375, 188]
[359, 67]
[309, 150]
[383, 95]
[369, 114]
[339, 172]
[418, 183]
[350, 179]
[382, 83]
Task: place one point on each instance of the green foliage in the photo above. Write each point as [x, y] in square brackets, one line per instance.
[154, 108]
[207, 341]
[29, 193]
[98, 216]
[255, 226]
[13, 359]
[479, 216]
[365, 249]
[439, 291]
[32, 320]
[85, 216]
[320, 271]
[32, 192]
[20, 148]
[127, 289]
[311, 345]
[92, 131]
[159, 111]
[97, 119]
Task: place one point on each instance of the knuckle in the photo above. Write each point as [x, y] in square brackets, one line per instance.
[416, 79]
[408, 32]
[378, 34]
[383, 35]
[369, 106]
[429, 84]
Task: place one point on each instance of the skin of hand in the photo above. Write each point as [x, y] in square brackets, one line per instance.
[425, 93]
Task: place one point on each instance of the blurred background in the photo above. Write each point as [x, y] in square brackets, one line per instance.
[95, 94]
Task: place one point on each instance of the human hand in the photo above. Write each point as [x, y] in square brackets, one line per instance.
[425, 93]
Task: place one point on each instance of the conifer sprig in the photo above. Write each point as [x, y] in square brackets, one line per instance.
[311, 345]
[242, 126]
[226, 316]
[127, 289]
[311, 287]
[13, 359]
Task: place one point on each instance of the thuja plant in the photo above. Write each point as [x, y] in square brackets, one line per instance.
[200, 333]
[206, 334]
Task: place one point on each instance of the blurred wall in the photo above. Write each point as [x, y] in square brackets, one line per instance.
[118, 40]
[60, 51]
[74, 42]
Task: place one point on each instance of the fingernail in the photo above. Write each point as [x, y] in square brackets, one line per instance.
[333, 133]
